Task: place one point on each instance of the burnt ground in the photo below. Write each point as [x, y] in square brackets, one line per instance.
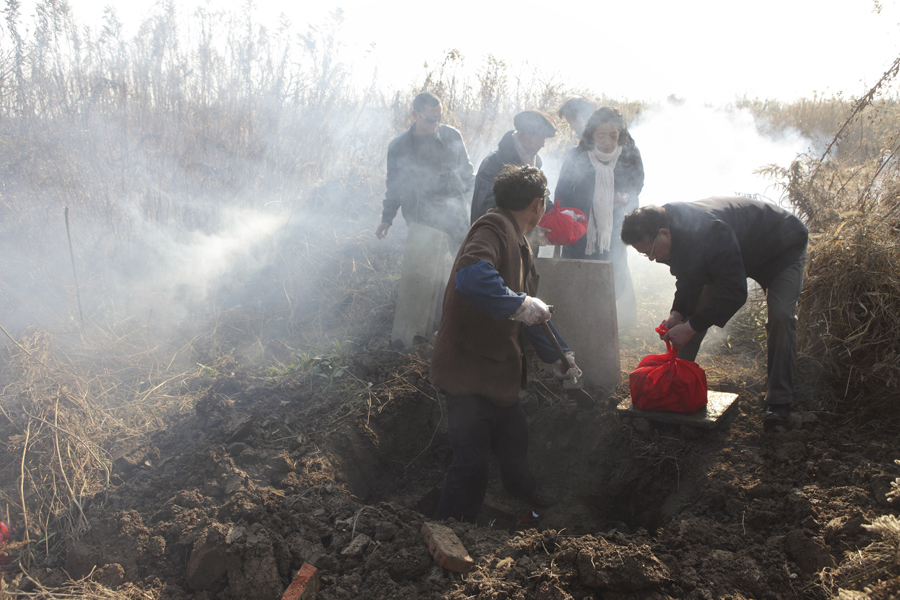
[272, 471]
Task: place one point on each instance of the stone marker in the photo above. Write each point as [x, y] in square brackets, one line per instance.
[305, 584]
[581, 292]
[446, 548]
[422, 280]
[717, 403]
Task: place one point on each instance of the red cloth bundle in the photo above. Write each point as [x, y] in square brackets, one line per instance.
[666, 382]
[563, 229]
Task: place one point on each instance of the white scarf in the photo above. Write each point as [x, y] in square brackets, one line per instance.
[524, 156]
[599, 233]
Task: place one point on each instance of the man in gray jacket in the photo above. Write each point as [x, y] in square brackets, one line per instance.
[712, 246]
[517, 147]
[429, 176]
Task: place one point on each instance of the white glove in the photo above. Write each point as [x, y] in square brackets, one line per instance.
[532, 312]
[571, 373]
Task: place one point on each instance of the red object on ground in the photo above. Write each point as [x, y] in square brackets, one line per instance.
[305, 584]
[563, 230]
[446, 548]
[4, 537]
[666, 382]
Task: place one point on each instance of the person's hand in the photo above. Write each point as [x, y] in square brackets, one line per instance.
[532, 312]
[675, 318]
[382, 231]
[680, 334]
[569, 371]
[621, 199]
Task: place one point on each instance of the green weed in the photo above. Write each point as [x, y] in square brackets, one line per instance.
[325, 367]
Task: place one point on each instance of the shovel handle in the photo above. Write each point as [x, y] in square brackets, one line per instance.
[555, 342]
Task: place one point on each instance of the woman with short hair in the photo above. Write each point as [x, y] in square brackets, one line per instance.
[602, 176]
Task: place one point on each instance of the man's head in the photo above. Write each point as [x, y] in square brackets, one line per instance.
[427, 112]
[647, 230]
[522, 190]
[532, 128]
[576, 111]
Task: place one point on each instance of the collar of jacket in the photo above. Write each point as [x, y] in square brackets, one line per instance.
[508, 214]
[507, 148]
[407, 140]
[508, 154]
[683, 253]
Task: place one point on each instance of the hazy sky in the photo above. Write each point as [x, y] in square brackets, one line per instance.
[704, 50]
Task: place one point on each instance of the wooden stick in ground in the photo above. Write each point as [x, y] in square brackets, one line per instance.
[21, 347]
[74, 272]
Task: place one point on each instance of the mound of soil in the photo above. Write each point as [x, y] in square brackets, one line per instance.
[270, 473]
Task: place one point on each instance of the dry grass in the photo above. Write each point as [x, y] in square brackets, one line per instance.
[851, 304]
[850, 307]
[870, 572]
[64, 410]
[84, 589]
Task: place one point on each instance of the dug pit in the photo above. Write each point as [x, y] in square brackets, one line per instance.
[610, 475]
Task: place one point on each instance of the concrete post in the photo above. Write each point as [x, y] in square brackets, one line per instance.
[584, 300]
[422, 279]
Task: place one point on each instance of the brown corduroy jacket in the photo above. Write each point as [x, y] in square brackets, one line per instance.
[473, 353]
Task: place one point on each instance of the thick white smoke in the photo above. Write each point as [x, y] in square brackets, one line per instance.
[191, 265]
[692, 151]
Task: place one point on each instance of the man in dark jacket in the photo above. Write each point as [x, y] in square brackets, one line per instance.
[576, 110]
[429, 175]
[517, 147]
[490, 307]
[712, 246]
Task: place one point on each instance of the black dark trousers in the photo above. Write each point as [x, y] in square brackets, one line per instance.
[479, 428]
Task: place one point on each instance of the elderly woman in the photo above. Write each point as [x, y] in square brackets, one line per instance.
[602, 176]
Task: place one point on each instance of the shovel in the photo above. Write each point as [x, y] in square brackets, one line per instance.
[569, 384]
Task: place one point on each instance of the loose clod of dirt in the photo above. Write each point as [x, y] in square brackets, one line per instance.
[269, 473]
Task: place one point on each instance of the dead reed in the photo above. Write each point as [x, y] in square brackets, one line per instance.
[65, 406]
[84, 589]
[850, 306]
[873, 571]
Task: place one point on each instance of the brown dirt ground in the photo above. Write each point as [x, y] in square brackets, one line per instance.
[274, 470]
[270, 473]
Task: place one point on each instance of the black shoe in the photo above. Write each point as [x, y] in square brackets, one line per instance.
[540, 496]
[777, 414]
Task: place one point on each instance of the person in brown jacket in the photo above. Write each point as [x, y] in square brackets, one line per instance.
[490, 307]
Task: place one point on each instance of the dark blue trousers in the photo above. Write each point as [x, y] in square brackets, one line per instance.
[478, 429]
